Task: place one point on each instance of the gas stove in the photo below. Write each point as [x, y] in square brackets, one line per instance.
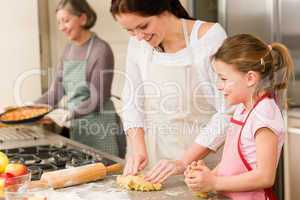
[44, 151]
[46, 158]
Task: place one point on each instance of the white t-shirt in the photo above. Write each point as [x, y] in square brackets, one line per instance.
[213, 135]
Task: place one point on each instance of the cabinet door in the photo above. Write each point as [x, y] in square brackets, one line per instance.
[20, 52]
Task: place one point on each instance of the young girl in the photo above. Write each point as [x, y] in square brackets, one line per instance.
[253, 76]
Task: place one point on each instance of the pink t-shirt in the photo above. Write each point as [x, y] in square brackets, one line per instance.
[265, 114]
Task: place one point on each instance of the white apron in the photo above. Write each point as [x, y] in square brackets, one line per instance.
[173, 117]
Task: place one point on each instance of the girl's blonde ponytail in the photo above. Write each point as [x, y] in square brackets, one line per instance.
[282, 66]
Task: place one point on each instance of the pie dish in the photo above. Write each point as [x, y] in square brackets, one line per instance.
[25, 114]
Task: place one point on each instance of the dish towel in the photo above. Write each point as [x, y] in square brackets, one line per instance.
[61, 117]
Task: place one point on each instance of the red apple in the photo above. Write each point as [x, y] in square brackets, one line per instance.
[16, 169]
[6, 178]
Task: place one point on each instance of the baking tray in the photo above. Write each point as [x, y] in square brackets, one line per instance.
[27, 120]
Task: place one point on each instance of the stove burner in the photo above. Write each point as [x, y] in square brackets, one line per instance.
[46, 158]
[68, 154]
[71, 156]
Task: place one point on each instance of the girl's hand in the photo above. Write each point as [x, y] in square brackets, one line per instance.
[164, 169]
[197, 165]
[200, 180]
[135, 163]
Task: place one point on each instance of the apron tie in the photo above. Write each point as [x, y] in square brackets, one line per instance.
[269, 195]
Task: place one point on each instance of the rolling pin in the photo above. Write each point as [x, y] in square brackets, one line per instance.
[75, 176]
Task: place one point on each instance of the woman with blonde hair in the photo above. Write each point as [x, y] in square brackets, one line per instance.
[254, 76]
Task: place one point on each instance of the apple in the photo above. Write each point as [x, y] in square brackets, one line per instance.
[2, 184]
[16, 169]
[3, 162]
[6, 179]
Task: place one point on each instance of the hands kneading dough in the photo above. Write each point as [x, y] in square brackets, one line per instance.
[137, 183]
[190, 171]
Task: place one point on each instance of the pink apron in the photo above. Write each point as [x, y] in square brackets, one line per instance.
[234, 163]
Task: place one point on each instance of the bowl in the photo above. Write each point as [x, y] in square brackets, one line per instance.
[23, 179]
[28, 191]
[39, 192]
[15, 183]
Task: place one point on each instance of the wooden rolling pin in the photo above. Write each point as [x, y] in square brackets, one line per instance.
[77, 175]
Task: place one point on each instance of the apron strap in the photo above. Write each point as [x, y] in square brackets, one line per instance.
[269, 195]
[237, 122]
[187, 39]
[185, 32]
[90, 47]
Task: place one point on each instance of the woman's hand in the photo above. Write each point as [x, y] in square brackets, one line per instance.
[137, 157]
[135, 163]
[46, 121]
[164, 169]
[199, 178]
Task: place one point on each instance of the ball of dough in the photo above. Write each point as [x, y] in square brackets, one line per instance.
[137, 183]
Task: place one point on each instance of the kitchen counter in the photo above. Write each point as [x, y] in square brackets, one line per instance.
[107, 189]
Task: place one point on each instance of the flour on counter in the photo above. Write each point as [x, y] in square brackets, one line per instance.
[174, 192]
[90, 191]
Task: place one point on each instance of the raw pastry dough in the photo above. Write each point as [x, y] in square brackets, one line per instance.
[203, 195]
[137, 183]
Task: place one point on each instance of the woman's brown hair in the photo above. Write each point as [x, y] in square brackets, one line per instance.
[248, 53]
[77, 8]
[148, 8]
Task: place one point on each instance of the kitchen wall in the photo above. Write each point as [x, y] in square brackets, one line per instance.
[19, 50]
[30, 41]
